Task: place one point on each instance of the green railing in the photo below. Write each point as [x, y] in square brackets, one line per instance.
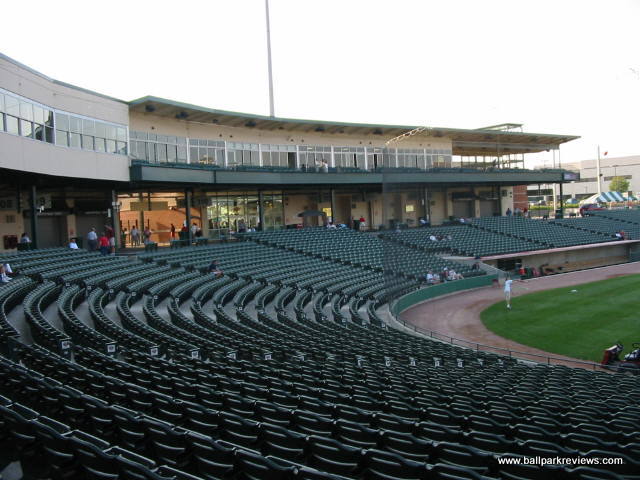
[413, 298]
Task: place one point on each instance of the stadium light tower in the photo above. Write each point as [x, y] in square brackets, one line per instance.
[271, 107]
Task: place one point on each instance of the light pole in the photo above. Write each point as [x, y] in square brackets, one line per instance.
[271, 104]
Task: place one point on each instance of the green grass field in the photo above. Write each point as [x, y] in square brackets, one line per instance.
[579, 325]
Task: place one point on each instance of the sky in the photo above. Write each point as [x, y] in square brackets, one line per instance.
[567, 67]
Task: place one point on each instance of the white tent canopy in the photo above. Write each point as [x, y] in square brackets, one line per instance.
[606, 197]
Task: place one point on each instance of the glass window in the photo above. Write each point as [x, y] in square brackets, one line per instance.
[100, 147]
[139, 150]
[75, 125]
[193, 152]
[111, 132]
[162, 152]
[111, 146]
[26, 128]
[121, 134]
[1, 122]
[101, 130]
[87, 142]
[12, 106]
[88, 127]
[48, 118]
[62, 121]
[62, 138]
[121, 148]
[171, 153]
[26, 111]
[38, 114]
[74, 140]
[1, 102]
[12, 124]
[182, 154]
[38, 131]
[151, 151]
[220, 157]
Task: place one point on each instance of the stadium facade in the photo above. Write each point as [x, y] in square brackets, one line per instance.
[72, 159]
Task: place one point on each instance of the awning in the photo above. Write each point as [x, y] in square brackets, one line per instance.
[606, 197]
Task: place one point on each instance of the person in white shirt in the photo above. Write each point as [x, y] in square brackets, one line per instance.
[5, 269]
[507, 292]
[92, 240]
[429, 278]
[73, 245]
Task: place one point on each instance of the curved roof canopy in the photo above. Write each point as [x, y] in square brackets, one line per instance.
[489, 141]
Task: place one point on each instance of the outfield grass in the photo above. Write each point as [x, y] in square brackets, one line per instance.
[580, 324]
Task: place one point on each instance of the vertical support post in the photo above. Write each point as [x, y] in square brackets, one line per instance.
[561, 202]
[141, 215]
[598, 174]
[34, 216]
[115, 218]
[555, 201]
[187, 208]
[261, 210]
[426, 210]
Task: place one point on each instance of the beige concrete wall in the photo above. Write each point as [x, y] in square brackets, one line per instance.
[506, 199]
[376, 210]
[438, 207]
[34, 86]
[148, 122]
[24, 154]
[294, 204]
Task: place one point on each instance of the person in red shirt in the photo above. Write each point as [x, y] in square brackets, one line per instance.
[103, 243]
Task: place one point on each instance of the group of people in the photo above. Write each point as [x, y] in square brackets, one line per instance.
[439, 238]
[446, 275]
[136, 236]
[620, 235]
[105, 242]
[517, 212]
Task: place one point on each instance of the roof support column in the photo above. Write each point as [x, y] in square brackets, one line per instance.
[34, 216]
[115, 220]
[332, 196]
[561, 204]
[187, 207]
[426, 210]
[260, 211]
